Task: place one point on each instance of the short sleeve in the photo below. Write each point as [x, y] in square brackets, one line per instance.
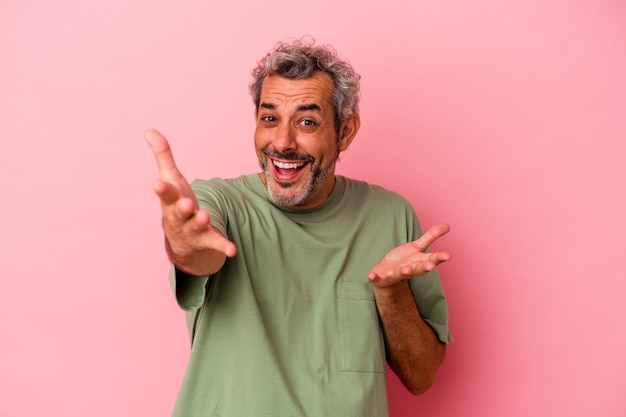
[431, 303]
[429, 296]
[190, 291]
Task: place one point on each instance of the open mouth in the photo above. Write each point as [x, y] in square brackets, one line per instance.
[288, 170]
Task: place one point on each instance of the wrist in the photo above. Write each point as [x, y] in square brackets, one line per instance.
[392, 292]
[197, 263]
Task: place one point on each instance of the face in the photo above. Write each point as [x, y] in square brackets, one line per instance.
[296, 140]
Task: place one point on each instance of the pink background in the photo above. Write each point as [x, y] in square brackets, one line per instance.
[505, 119]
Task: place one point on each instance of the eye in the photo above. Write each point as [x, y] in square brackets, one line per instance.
[308, 123]
[267, 118]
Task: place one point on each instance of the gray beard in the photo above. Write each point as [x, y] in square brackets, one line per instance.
[279, 192]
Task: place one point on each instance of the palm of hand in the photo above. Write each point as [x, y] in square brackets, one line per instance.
[409, 260]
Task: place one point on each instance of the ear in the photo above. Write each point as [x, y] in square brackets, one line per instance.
[348, 130]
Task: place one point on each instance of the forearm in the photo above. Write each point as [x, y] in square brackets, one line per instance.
[413, 349]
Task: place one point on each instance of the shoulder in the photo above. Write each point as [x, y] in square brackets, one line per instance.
[374, 194]
[383, 208]
[228, 188]
[231, 195]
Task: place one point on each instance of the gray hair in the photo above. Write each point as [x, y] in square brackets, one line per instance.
[300, 59]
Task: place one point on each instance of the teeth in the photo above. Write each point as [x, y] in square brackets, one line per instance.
[288, 165]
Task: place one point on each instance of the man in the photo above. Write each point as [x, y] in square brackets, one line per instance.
[297, 282]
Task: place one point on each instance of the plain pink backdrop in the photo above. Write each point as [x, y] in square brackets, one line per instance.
[505, 119]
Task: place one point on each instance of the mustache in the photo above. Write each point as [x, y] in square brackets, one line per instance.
[291, 156]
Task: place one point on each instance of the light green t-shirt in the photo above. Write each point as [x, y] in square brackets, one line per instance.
[289, 326]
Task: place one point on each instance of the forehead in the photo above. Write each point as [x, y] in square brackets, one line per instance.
[279, 90]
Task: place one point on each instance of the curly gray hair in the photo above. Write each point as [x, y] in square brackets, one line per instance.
[300, 59]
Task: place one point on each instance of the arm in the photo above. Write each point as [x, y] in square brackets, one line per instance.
[413, 350]
[192, 244]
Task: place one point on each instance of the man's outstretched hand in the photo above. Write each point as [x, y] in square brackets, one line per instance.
[409, 260]
[193, 244]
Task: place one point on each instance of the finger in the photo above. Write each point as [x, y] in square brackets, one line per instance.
[425, 265]
[437, 257]
[202, 220]
[161, 150]
[213, 239]
[374, 277]
[184, 209]
[389, 275]
[431, 235]
[228, 248]
[418, 269]
[200, 224]
[388, 278]
[166, 192]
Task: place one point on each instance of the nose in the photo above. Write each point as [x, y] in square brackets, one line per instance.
[285, 139]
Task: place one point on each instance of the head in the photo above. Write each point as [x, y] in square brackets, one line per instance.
[300, 60]
[306, 108]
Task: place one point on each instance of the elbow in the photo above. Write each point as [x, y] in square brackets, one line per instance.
[421, 379]
[420, 385]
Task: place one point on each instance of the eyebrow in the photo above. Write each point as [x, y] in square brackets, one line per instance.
[303, 107]
[306, 107]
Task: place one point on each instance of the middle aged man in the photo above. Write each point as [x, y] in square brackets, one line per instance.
[297, 282]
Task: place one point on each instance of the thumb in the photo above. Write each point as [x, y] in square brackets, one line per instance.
[162, 152]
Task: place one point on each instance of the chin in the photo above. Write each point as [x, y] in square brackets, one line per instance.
[289, 196]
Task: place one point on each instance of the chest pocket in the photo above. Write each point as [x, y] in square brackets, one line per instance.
[362, 344]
